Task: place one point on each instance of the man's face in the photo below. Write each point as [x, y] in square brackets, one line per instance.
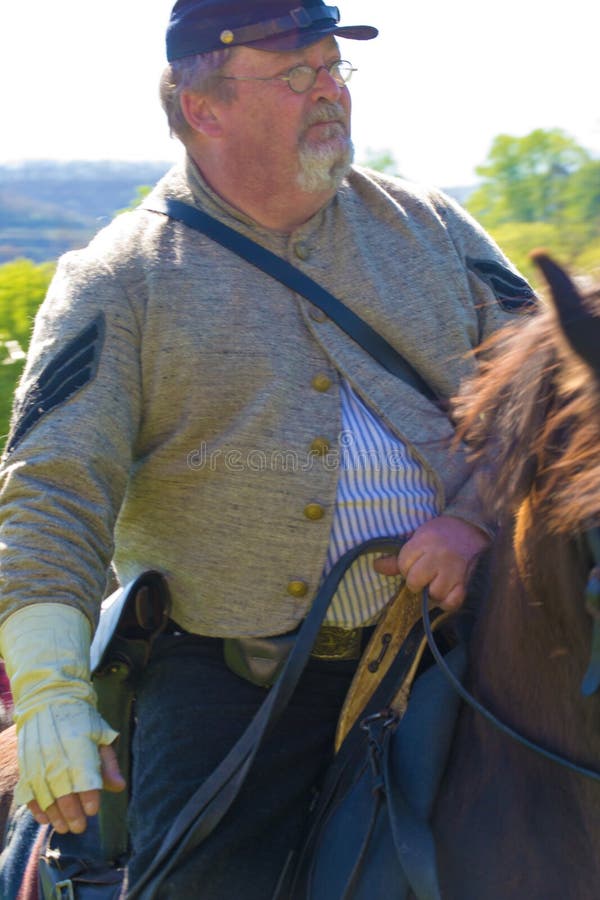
[301, 137]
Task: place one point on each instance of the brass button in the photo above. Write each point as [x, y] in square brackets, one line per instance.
[314, 511]
[320, 446]
[302, 250]
[226, 36]
[321, 383]
[317, 315]
[297, 588]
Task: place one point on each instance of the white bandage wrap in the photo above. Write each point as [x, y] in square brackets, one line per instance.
[46, 648]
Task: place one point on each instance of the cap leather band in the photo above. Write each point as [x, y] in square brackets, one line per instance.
[296, 18]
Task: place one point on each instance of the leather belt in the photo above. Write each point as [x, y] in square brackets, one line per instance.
[332, 641]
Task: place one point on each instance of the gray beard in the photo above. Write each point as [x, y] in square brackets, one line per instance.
[324, 168]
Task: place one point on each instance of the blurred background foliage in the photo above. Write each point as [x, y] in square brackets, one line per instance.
[23, 285]
[540, 190]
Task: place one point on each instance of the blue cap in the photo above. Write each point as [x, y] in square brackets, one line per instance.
[198, 26]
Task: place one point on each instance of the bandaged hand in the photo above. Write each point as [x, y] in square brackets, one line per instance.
[46, 651]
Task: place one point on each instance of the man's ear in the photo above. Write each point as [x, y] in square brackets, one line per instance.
[199, 113]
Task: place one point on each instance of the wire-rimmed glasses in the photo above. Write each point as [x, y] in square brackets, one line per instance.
[300, 79]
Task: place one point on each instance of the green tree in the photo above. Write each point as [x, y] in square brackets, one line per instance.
[23, 285]
[527, 179]
[582, 199]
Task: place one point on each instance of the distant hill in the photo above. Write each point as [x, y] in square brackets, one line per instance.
[48, 207]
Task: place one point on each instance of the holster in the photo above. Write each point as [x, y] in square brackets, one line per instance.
[130, 620]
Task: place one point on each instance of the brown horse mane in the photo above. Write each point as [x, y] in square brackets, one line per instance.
[510, 822]
[531, 417]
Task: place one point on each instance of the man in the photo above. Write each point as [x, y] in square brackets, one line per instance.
[183, 411]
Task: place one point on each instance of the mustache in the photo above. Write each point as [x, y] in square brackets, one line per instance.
[327, 112]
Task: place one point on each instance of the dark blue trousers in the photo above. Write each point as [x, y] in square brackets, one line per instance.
[190, 710]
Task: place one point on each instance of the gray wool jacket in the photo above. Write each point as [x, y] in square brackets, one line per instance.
[180, 409]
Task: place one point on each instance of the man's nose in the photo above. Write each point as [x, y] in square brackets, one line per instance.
[326, 86]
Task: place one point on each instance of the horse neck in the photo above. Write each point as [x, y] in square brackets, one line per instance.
[531, 647]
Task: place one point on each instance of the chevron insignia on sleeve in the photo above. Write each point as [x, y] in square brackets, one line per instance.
[70, 370]
[510, 290]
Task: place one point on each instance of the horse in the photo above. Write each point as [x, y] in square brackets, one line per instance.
[509, 821]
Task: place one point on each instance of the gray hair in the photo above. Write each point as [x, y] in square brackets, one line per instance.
[193, 73]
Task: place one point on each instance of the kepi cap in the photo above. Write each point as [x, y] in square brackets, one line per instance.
[199, 26]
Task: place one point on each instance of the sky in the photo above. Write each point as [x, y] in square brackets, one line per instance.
[78, 80]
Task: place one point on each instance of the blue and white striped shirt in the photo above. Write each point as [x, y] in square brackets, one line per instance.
[383, 490]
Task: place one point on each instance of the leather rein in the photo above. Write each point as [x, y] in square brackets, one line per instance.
[590, 683]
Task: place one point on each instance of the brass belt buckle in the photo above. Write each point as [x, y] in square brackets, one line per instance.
[337, 643]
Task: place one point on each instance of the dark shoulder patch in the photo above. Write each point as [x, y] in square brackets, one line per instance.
[510, 290]
[70, 370]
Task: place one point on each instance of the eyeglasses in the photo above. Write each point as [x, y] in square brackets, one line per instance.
[300, 79]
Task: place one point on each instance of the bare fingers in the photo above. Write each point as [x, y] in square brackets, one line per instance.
[70, 812]
[65, 814]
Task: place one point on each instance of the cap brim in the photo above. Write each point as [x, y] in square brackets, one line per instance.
[292, 40]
